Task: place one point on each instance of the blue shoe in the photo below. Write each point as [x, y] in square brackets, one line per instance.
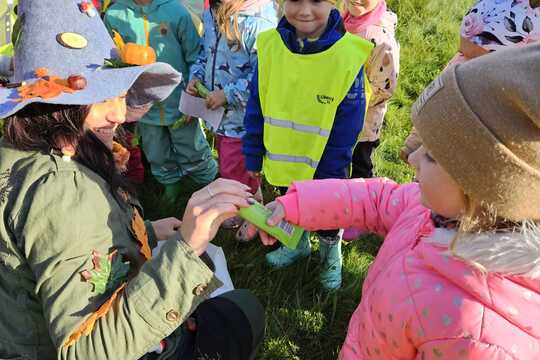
[331, 262]
[284, 256]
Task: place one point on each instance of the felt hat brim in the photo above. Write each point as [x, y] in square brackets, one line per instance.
[145, 84]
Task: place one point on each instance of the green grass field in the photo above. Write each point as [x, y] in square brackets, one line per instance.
[303, 321]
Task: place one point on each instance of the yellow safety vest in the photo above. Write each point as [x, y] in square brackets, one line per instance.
[299, 96]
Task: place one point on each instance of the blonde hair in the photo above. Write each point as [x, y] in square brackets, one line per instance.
[229, 28]
[492, 244]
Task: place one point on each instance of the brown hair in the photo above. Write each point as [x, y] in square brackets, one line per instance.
[225, 11]
[47, 127]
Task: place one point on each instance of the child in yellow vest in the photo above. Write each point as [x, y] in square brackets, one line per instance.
[304, 125]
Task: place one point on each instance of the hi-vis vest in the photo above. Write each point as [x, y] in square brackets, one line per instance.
[299, 96]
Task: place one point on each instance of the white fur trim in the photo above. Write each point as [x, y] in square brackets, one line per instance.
[512, 253]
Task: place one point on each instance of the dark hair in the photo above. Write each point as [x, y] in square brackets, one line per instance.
[47, 127]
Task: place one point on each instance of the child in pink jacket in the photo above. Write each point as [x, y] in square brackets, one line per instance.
[458, 274]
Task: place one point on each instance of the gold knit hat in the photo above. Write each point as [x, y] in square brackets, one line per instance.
[481, 122]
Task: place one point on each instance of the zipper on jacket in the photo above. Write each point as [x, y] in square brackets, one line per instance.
[146, 32]
[218, 37]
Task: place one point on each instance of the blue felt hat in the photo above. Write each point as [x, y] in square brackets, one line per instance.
[62, 37]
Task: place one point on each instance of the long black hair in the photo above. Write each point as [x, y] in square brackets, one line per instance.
[47, 127]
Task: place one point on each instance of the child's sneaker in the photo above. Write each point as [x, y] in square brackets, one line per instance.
[352, 234]
[284, 256]
[331, 262]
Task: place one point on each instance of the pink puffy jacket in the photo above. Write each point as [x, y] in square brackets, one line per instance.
[418, 302]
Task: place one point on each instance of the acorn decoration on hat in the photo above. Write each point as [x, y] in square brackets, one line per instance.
[64, 55]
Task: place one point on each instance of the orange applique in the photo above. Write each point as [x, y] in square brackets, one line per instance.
[137, 224]
[41, 72]
[121, 157]
[88, 325]
[48, 88]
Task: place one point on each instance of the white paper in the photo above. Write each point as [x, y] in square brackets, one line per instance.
[218, 258]
[222, 273]
[196, 107]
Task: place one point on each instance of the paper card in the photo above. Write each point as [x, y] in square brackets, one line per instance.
[196, 107]
[220, 262]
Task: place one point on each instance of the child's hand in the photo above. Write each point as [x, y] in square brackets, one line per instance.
[165, 228]
[216, 99]
[278, 214]
[191, 89]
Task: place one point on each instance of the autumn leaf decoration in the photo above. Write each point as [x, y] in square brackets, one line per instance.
[108, 272]
[121, 157]
[139, 230]
[48, 86]
[108, 275]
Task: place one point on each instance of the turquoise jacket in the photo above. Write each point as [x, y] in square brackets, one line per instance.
[167, 27]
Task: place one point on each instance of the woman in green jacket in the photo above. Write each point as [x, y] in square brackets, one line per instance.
[78, 278]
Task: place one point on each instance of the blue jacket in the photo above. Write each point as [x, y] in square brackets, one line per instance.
[349, 118]
[232, 70]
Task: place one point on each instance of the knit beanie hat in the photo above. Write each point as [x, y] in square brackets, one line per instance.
[481, 122]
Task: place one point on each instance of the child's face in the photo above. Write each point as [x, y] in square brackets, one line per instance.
[439, 191]
[309, 17]
[360, 7]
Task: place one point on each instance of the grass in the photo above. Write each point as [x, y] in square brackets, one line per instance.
[303, 321]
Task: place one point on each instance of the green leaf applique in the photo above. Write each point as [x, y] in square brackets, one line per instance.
[109, 272]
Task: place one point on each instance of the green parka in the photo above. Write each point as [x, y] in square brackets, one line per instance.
[55, 216]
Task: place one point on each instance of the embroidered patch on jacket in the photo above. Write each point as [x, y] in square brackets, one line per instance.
[163, 28]
[324, 99]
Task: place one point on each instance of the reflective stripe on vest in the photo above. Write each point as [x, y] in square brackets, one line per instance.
[299, 108]
[297, 127]
[293, 159]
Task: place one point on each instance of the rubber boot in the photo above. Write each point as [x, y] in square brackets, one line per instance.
[171, 192]
[331, 262]
[284, 256]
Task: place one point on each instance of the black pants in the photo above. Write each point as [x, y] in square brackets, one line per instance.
[362, 166]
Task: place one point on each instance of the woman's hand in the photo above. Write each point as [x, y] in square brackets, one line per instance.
[165, 228]
[278, 214]
[208, 208]
[191, 89]
[216, 99]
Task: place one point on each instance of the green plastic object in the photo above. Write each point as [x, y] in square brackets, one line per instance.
[287, 233]
[202, 90]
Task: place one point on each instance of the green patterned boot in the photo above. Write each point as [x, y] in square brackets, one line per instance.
[331, 261]
[284, 256]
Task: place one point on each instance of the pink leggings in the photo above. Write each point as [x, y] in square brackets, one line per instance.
[232, 164]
